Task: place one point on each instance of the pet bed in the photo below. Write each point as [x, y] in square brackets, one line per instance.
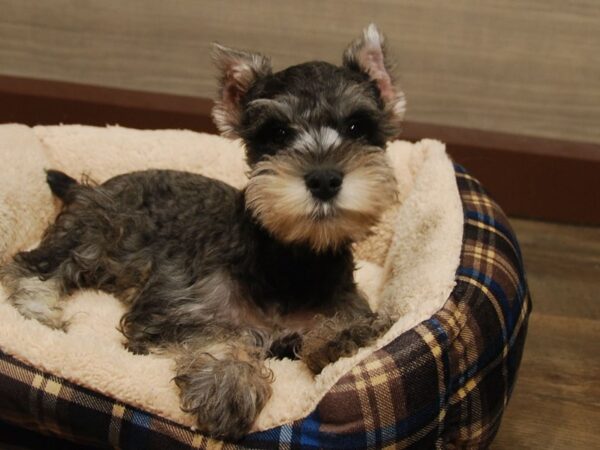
[444, 257]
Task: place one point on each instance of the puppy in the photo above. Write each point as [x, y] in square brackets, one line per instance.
[220, 278]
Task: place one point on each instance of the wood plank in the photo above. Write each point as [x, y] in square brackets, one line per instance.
[556, 403]
[35, 102]
[530, 68]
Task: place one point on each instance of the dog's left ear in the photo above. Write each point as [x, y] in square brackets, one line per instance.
[238, 71]
[367, 54]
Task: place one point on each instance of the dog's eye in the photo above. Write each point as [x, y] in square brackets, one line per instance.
[358, 127]
[280, 133]
[273, 133]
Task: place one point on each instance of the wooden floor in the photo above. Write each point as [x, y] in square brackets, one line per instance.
[556, 403]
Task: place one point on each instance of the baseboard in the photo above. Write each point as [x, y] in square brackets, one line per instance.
[530, 177]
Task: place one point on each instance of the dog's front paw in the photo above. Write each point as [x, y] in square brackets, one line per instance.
[224, 395]
[319, 351]
[337, 338]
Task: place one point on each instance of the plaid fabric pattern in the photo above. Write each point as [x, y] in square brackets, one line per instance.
[442, 384]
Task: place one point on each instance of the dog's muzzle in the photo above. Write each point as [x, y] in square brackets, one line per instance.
[324, 184]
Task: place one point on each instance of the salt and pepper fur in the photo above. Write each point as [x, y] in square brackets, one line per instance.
[221, 279]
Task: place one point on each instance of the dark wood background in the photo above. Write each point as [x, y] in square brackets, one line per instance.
[527, 67]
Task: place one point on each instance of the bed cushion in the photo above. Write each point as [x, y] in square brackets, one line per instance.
[445, 257]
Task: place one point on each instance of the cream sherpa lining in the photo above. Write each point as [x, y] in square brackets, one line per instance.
[408, 266]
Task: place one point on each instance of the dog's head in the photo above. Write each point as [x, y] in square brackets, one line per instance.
[315, 137]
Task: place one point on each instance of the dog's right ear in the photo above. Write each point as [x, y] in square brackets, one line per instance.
[238, 70]
[367, 55]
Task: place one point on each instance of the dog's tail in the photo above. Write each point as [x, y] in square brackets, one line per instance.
[60, 183]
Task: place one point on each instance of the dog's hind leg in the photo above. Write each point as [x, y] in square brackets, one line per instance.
[175, 305]
[35, 296]
[32, 279]
[223, 381]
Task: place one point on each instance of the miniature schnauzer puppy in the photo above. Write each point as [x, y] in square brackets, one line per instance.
[223, 279]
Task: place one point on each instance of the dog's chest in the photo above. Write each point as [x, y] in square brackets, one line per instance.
[287, 287]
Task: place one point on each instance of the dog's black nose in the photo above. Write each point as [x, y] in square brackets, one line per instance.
[324, 184]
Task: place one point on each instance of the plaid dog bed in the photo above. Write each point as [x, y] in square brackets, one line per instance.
[442, 384]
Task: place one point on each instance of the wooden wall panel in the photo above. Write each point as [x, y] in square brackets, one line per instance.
[520, 66]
